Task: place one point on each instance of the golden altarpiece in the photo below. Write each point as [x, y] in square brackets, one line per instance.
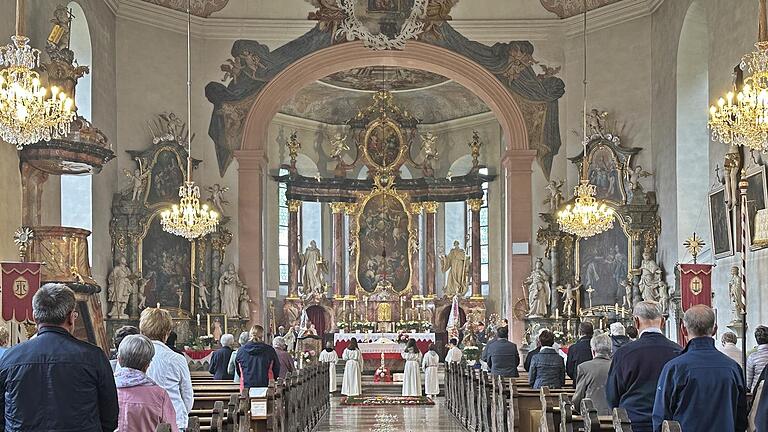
[376, 228]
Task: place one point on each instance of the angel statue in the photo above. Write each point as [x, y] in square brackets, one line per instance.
[137, 178]
[216, 197]
[634, 175]
[456, 263]
[597, 122]
[555, 198]
[539, 290]
[735, 293]
[338, 145]
[429, 144]
[314, 270]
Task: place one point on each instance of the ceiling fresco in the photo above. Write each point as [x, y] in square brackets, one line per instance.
[436, 104]
[569, 8]
[201, 8]
[391, 78]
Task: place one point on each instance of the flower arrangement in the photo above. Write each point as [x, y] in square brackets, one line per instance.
[383, 374]
[308, 356]
[205, 340]
[471, 354]
[403, 338]
[405, 326]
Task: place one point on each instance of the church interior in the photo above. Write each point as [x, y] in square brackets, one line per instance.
[417, 177]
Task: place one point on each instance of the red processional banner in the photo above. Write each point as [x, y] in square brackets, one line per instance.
[695, 285]
[20, 281]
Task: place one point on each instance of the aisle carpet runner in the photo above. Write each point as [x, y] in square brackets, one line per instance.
[386, 400]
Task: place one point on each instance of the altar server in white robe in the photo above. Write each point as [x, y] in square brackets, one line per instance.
[430, 364]
[454, 353]
[353, 369]
[412, 375]
[329, 356]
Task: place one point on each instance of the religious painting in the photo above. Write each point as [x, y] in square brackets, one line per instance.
[603, 264]
[384, 147]
[383, 238]
[216, 325]
[166, 178]
[166, 263]
[383, 16]
[604, 173]
[756, 199]
[720, 224]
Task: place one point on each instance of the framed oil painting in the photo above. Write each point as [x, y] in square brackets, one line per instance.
[720, 224]
[216, 325]
[604, 173]
[757, 197]
[166, 263]
[603, 262]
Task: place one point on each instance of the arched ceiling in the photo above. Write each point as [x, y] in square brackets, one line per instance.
[430, 97]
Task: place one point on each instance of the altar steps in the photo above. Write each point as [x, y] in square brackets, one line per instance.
[382, 389]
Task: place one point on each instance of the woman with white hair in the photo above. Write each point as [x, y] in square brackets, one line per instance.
[143, 404]
[286, 361]
[232, 366]
[220, 359]
[619, 336]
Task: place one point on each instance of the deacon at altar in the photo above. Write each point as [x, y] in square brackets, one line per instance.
[412, 374]
[430, 364]
[351, 384]
[330, 357]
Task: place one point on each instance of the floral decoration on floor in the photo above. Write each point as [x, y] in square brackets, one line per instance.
[386, 400]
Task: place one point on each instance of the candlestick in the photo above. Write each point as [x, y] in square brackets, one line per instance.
[412, 303]
[557, 314]
[198, 319]
[617, 308]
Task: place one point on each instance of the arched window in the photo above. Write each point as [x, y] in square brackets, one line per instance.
[77, 191]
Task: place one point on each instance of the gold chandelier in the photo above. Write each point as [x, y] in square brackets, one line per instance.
[189, 219]
[27, 113]
[587, 216]
[742, 118]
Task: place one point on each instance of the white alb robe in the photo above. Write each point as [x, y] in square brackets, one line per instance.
[331, 358]
[412, 375]
[431, 365]
[353, 373]
[454, 355]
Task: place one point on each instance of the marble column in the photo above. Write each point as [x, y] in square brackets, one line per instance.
[351, 289]
[337, 287]
[474, 206]
[416, 209]
[293, 248]
[430, 209]
[250, 214]
[518, 229]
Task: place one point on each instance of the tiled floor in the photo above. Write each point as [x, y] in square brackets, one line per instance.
[388, 419]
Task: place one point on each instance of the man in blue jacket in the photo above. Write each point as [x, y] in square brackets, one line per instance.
[502, 356]
[636, 367]
[581, 351]
[702, 389]
[56, 382]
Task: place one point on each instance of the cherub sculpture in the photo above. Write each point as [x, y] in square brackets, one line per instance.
[429, 145]
[216, 197]
[555, 198]
[338, 145]
[634, 175]
[597, 122]
[137, 178]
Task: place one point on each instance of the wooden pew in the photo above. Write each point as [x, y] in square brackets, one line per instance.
[589, 420]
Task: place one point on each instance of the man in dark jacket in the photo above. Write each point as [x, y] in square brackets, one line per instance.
[581, 351]
[529, 356]
[256, 360]
[619, 336]
[547, 368]
[636, 367]
[502, 355]
[702, 389]
[55, 382]
[220, 359]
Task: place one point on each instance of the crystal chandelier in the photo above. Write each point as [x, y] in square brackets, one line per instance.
[742, 118]
[189, 219]
[586, 217]
[27, 113]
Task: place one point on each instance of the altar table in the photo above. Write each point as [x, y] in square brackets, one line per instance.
[372, 350]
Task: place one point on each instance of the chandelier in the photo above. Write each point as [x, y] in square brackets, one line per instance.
[742, 118]
[189, 219]
[586, 217]
[29, 113]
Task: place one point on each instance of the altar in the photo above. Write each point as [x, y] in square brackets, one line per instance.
[381, 347]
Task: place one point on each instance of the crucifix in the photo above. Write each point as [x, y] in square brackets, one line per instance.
[589, 291]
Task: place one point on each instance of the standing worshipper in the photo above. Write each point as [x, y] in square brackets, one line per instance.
[581, 351]
[592, 375]
[619, 336]
[730, 349]
[702, 389]
[547, 368]
[502, 355]
[120, 334]
[412, 374]
[232, 366]
[168, 369]
[635, 367]
[351, 383]
[632, 333]
[55, 382]
[286, 361]
[454, 352]
[330, 357]
[3, 340]
[758, 359]
[143, 404]
[171, 343]
[256, 360]
[430, 364]
[532, 353]
[219, 367]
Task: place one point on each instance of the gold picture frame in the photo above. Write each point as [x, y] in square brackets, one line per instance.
[210, 322]
[402, 148]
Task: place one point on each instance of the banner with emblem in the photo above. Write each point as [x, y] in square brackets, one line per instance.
[695, 285]
[20, 281]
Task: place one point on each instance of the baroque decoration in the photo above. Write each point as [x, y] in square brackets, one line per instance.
[741, 118]
[569, 8]
[27, 113]
[201, 8]
[352, 28]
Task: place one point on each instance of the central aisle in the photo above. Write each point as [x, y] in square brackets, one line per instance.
[388, 419]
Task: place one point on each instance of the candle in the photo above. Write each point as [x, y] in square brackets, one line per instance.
[617, 308]
[557, 313]
[158, 305]
[198, 319]
[412, 302]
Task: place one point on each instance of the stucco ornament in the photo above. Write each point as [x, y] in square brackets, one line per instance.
[353, 28]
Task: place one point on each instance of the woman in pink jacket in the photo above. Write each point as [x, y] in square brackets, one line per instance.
[143, 404]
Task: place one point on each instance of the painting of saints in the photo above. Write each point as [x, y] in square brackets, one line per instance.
[383, 145]
[167, 257]
[603, 265]
[604, 174]
[383, 239]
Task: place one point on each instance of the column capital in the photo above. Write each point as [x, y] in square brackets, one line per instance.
[251, 160]
[294, 205]
[416, 208]
[475, 204]
[337, 207]
[430, 207]
[518, 160]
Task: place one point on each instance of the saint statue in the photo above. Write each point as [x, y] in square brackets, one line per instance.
[555, 197]
[245, 302]
[664, 297]
[539, 290]
[627, 299]
[202, 295]
[456, 263]
[650, 277]
[119, 289]
[735, 293]
[229, 291]
[315, 269]
[732, 166]
[569, 297]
